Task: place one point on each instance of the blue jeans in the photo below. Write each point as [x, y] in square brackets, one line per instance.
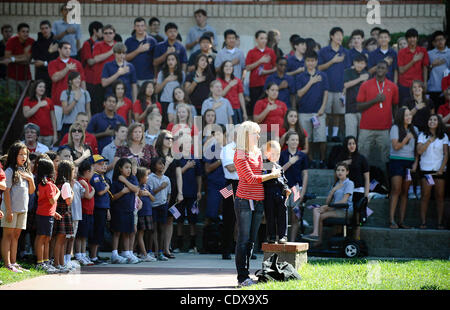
[248, 222]
[238, 116]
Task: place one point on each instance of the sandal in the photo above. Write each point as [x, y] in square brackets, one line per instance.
[402, 226]
[393, 225]
[423, 226]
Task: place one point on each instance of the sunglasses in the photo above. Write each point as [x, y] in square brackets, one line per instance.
[77, 130]
[168, 138]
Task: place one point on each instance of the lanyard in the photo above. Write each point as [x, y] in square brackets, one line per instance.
[380, 91]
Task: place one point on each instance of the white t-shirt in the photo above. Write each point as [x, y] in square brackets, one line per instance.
[431, 159]
[66, 191]
[227, 158]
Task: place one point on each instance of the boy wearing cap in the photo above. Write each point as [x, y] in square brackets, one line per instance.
[101, 205]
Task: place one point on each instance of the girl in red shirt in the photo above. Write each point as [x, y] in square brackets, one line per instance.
[146, 102]
[124, 105]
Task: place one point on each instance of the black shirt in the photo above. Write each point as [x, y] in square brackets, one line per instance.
[420, 119]
[39, 51]
[201, 91]
[351, 93]
[281, 182]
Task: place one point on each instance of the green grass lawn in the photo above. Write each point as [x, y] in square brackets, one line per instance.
[7, 276]
[343, 274]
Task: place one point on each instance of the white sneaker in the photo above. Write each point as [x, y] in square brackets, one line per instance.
[147, 258]
[161, 257]
[177, 250]
[193, 250]
[118, 259]
[75, 263]
[132, 260]
[247, 282]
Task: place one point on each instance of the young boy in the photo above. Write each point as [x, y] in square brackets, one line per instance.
[231, 52]
[170, 45]
[101, 205]
[353, 78]
[276, 192]
[386, 53]
[285, 82]
[312, 90]
[357, 38]
[296, 62]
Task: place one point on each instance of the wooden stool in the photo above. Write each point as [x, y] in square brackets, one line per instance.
[294, 253]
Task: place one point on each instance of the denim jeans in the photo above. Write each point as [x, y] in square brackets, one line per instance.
[248, 222]
[238, 116]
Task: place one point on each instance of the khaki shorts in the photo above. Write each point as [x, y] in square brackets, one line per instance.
[314, 134]
[334, 105]
[352, 124]
[19, 221]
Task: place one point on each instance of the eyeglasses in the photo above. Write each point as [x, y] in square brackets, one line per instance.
[77, 130]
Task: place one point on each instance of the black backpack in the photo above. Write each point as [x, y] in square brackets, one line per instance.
[212, 238]
[272, 270]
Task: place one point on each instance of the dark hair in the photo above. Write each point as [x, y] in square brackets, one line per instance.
[383, 62]
[7, 26]
[142, 97]
[52, 155]
[84, 166]
[258, 33]
[336, 29]
[140, 173]
[264, 94]
[22, 25]
[138, 20]
[310, 44]
[204, 117]
[229, 32]
[399, 120]
[281, 59]
[119, 165]
[117, 83]
[222, 127]
[72, 76]
[64, 172]
[152, 20]
[375, 29]
[384, 31]
[110, 96]
[369, 41]
[45, 170]
[292, 38]
[311, 54]
[200, 11]
[159, 143]
[95, 25]
[155, 161]
[411, 33]
[221, 74]
[437, 34]
[206, 36]
[186, 99]
[32, 93]
[178, 72]
[62, 43]
[45, 22]
[342, 164]
[357, 32]
[207, 71]
[298, 41]
[11, 161]
[298, 128]
[359, 58]
[440, 130]
[346, 151]
[170, 26]
[109, 26]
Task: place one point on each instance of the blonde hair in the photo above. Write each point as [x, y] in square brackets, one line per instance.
[76, 125]
[243, 132]
[272, 144]
[131, 128]
[189, 112]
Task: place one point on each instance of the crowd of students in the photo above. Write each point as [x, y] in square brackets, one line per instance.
[112, 130]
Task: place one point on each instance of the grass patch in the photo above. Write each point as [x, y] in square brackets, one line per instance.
[7, 276]
[345, 274]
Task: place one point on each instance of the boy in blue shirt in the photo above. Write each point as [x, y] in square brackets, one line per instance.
[171, 45]
[101, 205]
[296, 62]
[286, 83]
[384, 52]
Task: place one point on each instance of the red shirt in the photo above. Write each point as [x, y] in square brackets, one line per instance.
[18, 72]
[274, 118]
[249, 170]
[101, 48]
[178, 127]
[253, 56]
[46, 192]
[416, 71]
[445, 82]
[444, 110]
[376, 118]
[86, 53]
[58, 87]
[89, 139]
[87, 205]
[2, 174]
[42, 116]
[233, 94]
[125, 108]
[137, 108]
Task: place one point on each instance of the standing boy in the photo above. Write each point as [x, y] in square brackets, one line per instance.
[170, 45]
[231, 52]
[196, 32]
[386, 53]
[296, 62]
[286, 83]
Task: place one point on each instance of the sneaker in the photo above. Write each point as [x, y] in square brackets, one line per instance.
[75, 263]
[46, 268]
[132, 260]
[117, 259]
[12, 268]
[98, 262]
[193, 250]
[161, 257]
[84, 261]
[70, 266]
[177, 250]
[247, 282]
[62, 269]
[151, 254]
[20, 268]
[282, 240]
[148, 258]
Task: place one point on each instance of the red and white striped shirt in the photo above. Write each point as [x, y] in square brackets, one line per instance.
[249, 169]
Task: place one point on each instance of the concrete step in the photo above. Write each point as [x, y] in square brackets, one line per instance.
[320, 181]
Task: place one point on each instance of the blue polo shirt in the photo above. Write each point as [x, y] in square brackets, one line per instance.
[146, 209]
[353, 53]
[126, 203]
[284, 94]
[162, 47]
[99, 123]
[190, 177]
[215, 178]
[293, 63]
[312, 100]
[143, 62]
[110, 68]
[99, 184]
[294, 173]
[437, 73]
[335, 72]
[377, 55]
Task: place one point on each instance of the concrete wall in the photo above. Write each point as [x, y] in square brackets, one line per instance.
[308, 20]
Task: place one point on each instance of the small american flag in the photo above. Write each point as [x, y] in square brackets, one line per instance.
[194, 208]
[227, 191]
[296, 193]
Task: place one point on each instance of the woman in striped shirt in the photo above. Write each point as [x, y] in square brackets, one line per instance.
[248, 204]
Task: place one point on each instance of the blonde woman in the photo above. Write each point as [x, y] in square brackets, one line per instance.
[76, 142]
[248, 204]
[135, 147]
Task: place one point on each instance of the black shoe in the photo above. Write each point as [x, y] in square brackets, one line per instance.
[169, 255]
[254, 256]
[271, 239]
[226, 256]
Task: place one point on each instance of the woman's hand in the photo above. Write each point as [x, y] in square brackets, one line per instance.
[199, 196]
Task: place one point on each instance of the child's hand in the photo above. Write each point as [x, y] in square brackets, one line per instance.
[199, 196]
[293, 159]
[125, 190]
[190, 164]
[164, 185]
[57, 216]
[9, 217]
[287, 192]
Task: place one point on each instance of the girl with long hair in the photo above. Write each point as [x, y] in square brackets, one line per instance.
[291, 122]
[179, 96]
[146, 102]
[124, 104]
[198, 82]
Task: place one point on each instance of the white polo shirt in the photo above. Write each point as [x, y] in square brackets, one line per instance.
[431, 159]
[227, 158]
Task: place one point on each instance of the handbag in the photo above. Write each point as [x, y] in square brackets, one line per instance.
[272, 270]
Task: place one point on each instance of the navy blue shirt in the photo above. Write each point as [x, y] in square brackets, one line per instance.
[377, 55]
[162, 47]
[146, 209]
[110, 68]
[285, 93]
[99, 123]
[143, 62]
[99, 184]
[293, 63]
[353, 53]
[312, 100]
[294, 173]
[335, 72]
[217, 176]
[127, 202]
[190, 177]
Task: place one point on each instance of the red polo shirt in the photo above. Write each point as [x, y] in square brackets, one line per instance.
[58, 87]
[253, 56]
[46, 192]
[101, 48]
[125, 108]
[233, 94]
[416, 71]
[138, 109]
[89, 139]
[87, 53]
[376, 117]
[42, 116]
[445, 83]
[18, 72]
[275, 117]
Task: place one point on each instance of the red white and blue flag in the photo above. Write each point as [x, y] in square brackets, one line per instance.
[227, 191]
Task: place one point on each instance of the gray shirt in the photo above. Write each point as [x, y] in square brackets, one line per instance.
[226, 54]
[407, 151]
[155, 182]
[346, 189]
[60, 26]
[78, 193]
[167, 92]
[18, 193]
[109, 152]
[79, 107]
[222, 112]
[196, 32]
[437, 73]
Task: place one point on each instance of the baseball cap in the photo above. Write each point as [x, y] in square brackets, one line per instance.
[98, 159]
